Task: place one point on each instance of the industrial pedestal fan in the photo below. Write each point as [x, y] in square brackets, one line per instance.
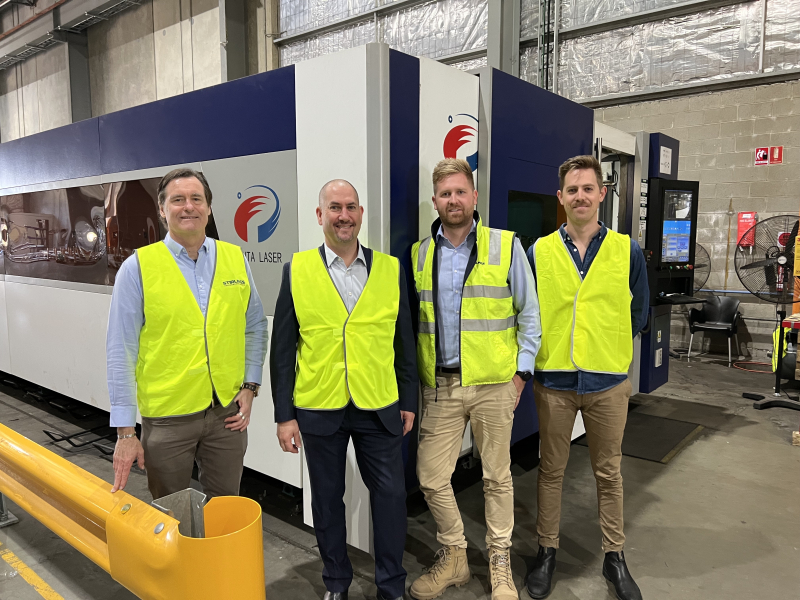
[702, 267]
[765, 266]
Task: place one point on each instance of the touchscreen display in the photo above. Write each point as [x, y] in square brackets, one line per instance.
[677, 226]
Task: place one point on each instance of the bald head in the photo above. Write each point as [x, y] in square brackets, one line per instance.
[336, 187]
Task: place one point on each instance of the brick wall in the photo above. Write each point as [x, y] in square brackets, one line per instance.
[719, 133]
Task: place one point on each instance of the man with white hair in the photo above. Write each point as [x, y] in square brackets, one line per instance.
[343, 368]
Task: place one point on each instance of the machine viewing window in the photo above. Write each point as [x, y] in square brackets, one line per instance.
[532, 216]
[677, 229]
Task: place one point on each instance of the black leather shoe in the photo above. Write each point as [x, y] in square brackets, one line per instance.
[616, 571]
[335, 596]
[382, 597]
[539, 579]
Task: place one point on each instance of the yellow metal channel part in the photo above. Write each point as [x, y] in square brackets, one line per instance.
[36, 582]
[138, 545]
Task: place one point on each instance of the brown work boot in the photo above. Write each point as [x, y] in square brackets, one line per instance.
[450, 568]
[500, 574]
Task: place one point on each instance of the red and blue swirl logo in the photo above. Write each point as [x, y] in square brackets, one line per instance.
[461, 139]
[251, 206]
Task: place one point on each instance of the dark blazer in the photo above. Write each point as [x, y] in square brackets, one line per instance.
[283, 361]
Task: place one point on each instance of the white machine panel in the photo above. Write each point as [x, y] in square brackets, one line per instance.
[331, 106]
[57, 339]
[5, 353]
[264, 454]
[255, 207]
[448, 126]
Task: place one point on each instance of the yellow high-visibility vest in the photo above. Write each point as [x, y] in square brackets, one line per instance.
[586, 322]
[183, 356]
[488, 346]
[339, 355]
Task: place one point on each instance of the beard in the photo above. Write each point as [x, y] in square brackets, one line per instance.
[457, 219]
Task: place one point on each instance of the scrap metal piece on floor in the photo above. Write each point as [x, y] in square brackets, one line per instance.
[657, 439]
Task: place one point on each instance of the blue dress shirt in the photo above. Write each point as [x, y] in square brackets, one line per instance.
[581, 381]
[452, 267]
[126, 319]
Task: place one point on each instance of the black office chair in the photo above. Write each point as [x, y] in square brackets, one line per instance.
[719, 313]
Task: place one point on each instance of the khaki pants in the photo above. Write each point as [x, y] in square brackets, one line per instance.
[604, 415]
[173, 444]
[490, 410]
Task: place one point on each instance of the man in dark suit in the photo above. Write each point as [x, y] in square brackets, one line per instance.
[343, 366]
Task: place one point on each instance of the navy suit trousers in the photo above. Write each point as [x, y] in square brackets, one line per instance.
[380, 460]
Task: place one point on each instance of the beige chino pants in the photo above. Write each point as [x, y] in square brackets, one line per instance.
[490, 410]
[604, 416]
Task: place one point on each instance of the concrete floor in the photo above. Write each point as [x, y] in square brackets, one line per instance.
[720, 521]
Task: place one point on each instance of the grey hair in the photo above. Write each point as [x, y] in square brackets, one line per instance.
[331, 183]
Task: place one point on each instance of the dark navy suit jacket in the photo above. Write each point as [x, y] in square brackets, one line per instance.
[283, 361]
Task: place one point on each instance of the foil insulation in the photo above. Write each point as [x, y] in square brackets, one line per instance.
[434, 29]
[528, 18]
[529, 64]
[331, 41]
[468, 65]
[706, 46]
[581, 12]
[782, 39]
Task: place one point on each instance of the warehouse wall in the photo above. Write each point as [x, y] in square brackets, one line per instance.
[34, 95]
[156, 50]
[719, 133]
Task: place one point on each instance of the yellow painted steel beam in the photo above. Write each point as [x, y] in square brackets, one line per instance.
[137, 544]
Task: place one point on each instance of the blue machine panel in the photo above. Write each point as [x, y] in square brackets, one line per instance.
[663, 147]
[404, 189]
[533, 132]
[253, 115]
[68, 152]
[654, 371]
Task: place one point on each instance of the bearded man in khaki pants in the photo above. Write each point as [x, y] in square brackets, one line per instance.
[476, 347]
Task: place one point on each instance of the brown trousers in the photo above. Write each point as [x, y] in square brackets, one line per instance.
[173, 444]
[604, 416]
[490, 410]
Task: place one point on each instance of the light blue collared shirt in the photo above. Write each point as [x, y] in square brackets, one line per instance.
[126, 319]
[349, 281]
[452, 267]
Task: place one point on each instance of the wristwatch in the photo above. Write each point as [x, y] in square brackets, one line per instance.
[525, 375]
[253, 387]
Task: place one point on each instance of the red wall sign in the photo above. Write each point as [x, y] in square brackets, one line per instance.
[762, 156]
[745, 221]
[776, 155]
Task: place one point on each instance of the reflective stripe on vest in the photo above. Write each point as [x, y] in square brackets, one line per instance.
[340, 355]
[586, 323]
[488, 318]
[183, 356]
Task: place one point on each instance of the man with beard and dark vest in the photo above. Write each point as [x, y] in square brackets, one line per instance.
[476, 345]
[343, 368]
[593, 295]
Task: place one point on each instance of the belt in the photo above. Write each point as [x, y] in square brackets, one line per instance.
[456, 370]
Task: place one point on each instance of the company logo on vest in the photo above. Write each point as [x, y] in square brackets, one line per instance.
[251, 206]
[462, 139]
